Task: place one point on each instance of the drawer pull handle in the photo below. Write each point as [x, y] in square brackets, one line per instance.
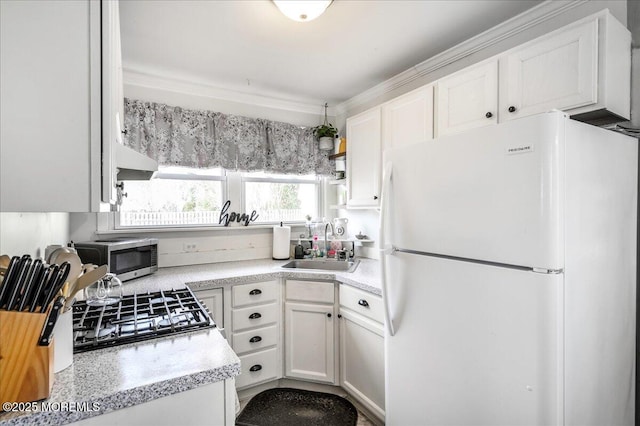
[255, 339]
[363, 302]
[255, 292]
[256, 367]
[255, 315]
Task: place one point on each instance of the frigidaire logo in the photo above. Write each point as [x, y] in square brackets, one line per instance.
[519, 149]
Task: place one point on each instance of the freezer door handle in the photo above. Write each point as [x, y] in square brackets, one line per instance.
[386, 249]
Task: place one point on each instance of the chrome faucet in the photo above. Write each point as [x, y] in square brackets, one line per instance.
[326, 240]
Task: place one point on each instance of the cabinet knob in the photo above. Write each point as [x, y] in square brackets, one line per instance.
[256, 367]
[255, 292]
[328, 315]
[363, 302]
[512, 109]
[124, 132]
[255, 339]
[339, 315]
[375, 197]
[255, 315]
[489, 114]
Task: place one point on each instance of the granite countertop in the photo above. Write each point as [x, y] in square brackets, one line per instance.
[131, 374]
[201, 277]
[127, 375]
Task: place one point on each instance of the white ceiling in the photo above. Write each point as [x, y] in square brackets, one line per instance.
[250, 47]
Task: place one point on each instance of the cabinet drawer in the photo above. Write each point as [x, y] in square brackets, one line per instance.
[310, 291]
[255, 339]
[258, 367]
[249, 294]
[367, 304]
[255, 316]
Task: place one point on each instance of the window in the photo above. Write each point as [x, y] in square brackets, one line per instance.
[281, 198]
[184, 197]
[176, 196]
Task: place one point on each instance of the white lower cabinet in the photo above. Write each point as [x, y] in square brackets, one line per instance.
[255, 339]
[362, 348]
[310, 331]
[212, 404]
[213, 300]
[256, 329]
[258, 367]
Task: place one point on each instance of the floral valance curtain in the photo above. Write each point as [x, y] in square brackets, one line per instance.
[207, 139]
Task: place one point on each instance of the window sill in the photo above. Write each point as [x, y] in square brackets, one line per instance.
[167, 229]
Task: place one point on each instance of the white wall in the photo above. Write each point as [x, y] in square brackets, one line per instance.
[220, 245]
[255, 243]
[618, 9]
[368, 219]
[183, 95]
[211, 246]
[31, 233]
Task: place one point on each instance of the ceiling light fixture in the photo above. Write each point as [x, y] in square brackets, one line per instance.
[302, 10]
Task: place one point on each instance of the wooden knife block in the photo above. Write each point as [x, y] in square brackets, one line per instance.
[26, 369]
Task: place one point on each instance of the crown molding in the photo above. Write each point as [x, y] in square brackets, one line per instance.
[135, 77]
[519, 23]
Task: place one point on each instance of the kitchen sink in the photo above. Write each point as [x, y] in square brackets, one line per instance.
[324, 265]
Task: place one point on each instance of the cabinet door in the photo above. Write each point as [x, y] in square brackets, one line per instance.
[363, 159]
[214, 302]
[362, 360]
[210, 404]
[557, 72]
[468, 99]
[408, 119]
[309, 342]
[112, 97]
[49, 106]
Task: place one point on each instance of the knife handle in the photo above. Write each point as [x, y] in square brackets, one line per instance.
[50, 323]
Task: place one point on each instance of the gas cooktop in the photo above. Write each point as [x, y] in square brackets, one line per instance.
[137, 317]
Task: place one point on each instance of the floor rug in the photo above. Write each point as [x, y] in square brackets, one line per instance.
[289, 407]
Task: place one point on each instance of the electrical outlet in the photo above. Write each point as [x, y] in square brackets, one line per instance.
[190, 247]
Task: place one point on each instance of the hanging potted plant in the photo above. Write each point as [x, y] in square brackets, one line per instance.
[325, 133]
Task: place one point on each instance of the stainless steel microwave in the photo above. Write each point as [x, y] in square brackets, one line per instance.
[126, 257]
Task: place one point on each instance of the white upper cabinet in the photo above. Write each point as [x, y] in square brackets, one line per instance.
[582, 68]
[112, 97]
[467, 99]
[50, 106]
[408, 118]
[363, 159]
[557, 72]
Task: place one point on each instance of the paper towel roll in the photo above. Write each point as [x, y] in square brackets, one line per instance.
[281, 242]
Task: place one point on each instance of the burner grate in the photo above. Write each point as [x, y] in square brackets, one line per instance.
[137, 317]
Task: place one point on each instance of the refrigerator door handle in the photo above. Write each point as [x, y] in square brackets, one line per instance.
[386, 249]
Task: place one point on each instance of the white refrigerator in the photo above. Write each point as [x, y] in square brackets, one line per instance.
[509, 259]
